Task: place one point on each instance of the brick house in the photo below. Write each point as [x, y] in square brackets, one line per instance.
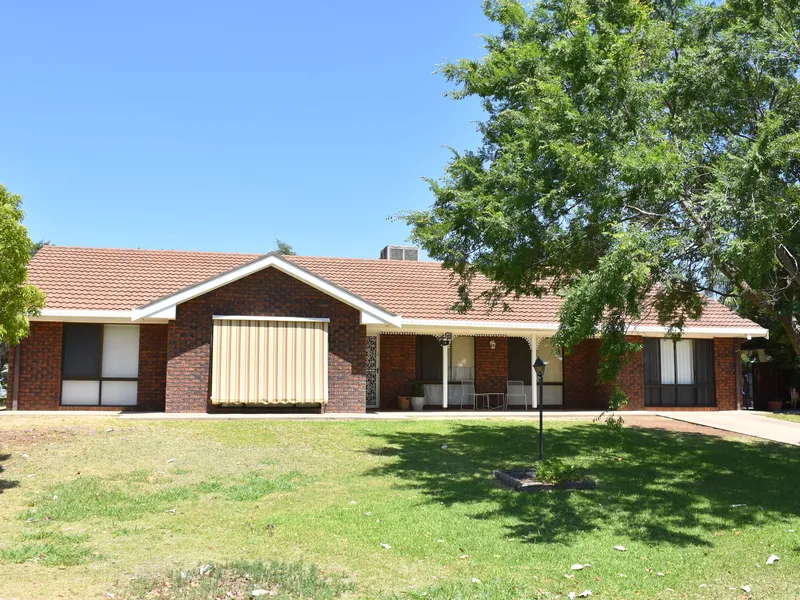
[206, 332]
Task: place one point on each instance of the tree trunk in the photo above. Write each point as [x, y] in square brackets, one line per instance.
[792, 329]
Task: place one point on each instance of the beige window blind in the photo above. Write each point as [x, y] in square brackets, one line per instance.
[266, 361]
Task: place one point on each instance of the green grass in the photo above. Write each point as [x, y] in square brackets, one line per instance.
[88, 497]
[158, 498]
[50, 548]
[239, 580]
[784, 417]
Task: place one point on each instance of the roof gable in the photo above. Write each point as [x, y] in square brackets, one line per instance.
[165, 307]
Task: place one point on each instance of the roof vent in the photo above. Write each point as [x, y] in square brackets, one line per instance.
[400, 253]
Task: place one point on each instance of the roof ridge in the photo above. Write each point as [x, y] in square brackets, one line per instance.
[366, 260]
[170, 250]
[57, 247]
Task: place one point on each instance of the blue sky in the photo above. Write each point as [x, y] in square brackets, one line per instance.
[222, 126]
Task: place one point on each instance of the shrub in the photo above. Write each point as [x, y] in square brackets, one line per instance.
[555, 470]
[418, 391]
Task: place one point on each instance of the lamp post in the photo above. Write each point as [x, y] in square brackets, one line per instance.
[445, 339]
[539, 366]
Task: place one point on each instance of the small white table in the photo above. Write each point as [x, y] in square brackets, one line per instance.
[500, 397]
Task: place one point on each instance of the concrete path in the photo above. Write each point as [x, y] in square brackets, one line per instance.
[452, 415]
[755, 424]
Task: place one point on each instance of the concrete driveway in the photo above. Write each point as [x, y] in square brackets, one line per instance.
[755, 424]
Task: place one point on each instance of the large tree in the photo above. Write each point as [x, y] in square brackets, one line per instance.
[635, 153]
[18, 299]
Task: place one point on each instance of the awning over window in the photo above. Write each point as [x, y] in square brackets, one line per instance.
[269, 361]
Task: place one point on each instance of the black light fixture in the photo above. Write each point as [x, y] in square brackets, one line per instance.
[539, 367]
[445, 339]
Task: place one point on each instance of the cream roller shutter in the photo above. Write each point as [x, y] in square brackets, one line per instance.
[269, 361]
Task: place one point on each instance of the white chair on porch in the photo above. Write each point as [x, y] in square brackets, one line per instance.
[468, 394]
[516, 389]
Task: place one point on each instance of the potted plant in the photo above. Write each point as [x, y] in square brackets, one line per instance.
[418, 396]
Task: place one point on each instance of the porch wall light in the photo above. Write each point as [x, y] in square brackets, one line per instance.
[492, 344]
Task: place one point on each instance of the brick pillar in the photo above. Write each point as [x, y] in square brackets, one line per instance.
[398, 368]
[631, 377]
[188, 366]
[347, 366]
[491, 366]
[151, 393]
[726, 359]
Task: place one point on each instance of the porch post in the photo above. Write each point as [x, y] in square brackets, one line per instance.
[445, 373]
[534, 379]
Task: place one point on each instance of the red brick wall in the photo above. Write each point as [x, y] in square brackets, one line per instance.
[266, 293]
[152, 387]
[40, 374]
[582, 391]
[491, 366]
[40, 368]
[726, 358]
[631, 377]
[398, 368]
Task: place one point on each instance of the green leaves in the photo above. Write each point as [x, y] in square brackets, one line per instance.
[18, 300]
[634, 153]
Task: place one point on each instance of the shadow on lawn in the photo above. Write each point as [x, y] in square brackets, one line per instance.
[673, 488]
[6, 484]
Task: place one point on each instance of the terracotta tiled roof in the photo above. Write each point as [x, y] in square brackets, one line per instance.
[113, 279]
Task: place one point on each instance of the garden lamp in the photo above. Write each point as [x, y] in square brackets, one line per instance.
[539, 366]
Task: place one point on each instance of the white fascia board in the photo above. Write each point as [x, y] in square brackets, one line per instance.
[369, 319]
[90, 316]
[455, 324]
[551, 328]
[258, 318]
[658, 331]
[167, 313]
[270, 260]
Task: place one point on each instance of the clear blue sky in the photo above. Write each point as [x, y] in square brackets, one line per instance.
[222, 126]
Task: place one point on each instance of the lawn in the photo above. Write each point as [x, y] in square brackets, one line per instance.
[384, 508]
[786, 417]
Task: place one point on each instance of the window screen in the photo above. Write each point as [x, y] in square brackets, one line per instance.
[519, 360]
[82, 350]
[429, 358]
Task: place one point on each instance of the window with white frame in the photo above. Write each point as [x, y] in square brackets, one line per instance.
[100, 365]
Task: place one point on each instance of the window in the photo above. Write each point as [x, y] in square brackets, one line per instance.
[429, 359]
[462, 359]
[679, 372]
[553, 390]
[100, 365]
[520, 367]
